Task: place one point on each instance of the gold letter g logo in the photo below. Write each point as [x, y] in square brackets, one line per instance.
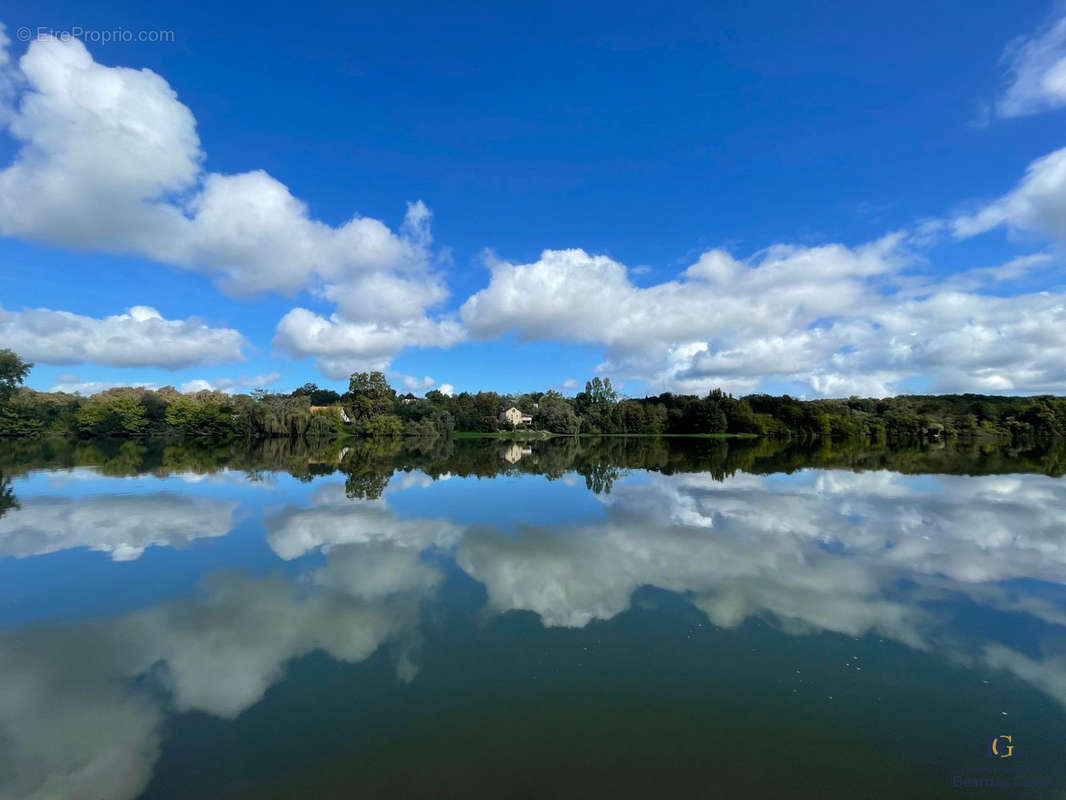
[1001, 750]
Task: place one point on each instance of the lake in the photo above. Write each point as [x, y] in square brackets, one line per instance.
[483, 618]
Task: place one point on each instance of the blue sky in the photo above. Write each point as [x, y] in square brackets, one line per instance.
[812, 198]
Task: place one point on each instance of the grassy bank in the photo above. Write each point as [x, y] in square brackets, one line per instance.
[523, 436]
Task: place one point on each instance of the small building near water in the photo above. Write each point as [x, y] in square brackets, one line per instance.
[514, 417]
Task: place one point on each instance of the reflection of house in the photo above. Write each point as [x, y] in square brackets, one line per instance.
[336, 459]
[513, 417]
[515, 451]
[344, 414]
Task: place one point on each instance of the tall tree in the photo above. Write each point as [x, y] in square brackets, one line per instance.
[13, 371]
[369, 395]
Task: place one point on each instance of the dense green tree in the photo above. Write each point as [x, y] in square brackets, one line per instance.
[325, 425]
[597, 406]
[113, 412]
[369, 395]
[383, 425]
[556, 415]
[425, 418]
[28, 413]
[13, 371]
[317, 396]
[598, 392]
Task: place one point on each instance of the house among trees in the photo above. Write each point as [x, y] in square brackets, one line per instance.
[513, 417]
[344, 414]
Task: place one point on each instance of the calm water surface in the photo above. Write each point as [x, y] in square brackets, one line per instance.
[627, 618]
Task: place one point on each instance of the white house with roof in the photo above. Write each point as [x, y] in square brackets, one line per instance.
[514, 417]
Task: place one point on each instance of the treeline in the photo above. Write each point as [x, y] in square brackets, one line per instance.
[908, 418]
[133, 413]
[371, 407]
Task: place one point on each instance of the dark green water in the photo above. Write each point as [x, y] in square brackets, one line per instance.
[625, 618]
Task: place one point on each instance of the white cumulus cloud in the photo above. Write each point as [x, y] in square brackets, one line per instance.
[840, 320]
[109, 159]
[342, 346]
[139, 338]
